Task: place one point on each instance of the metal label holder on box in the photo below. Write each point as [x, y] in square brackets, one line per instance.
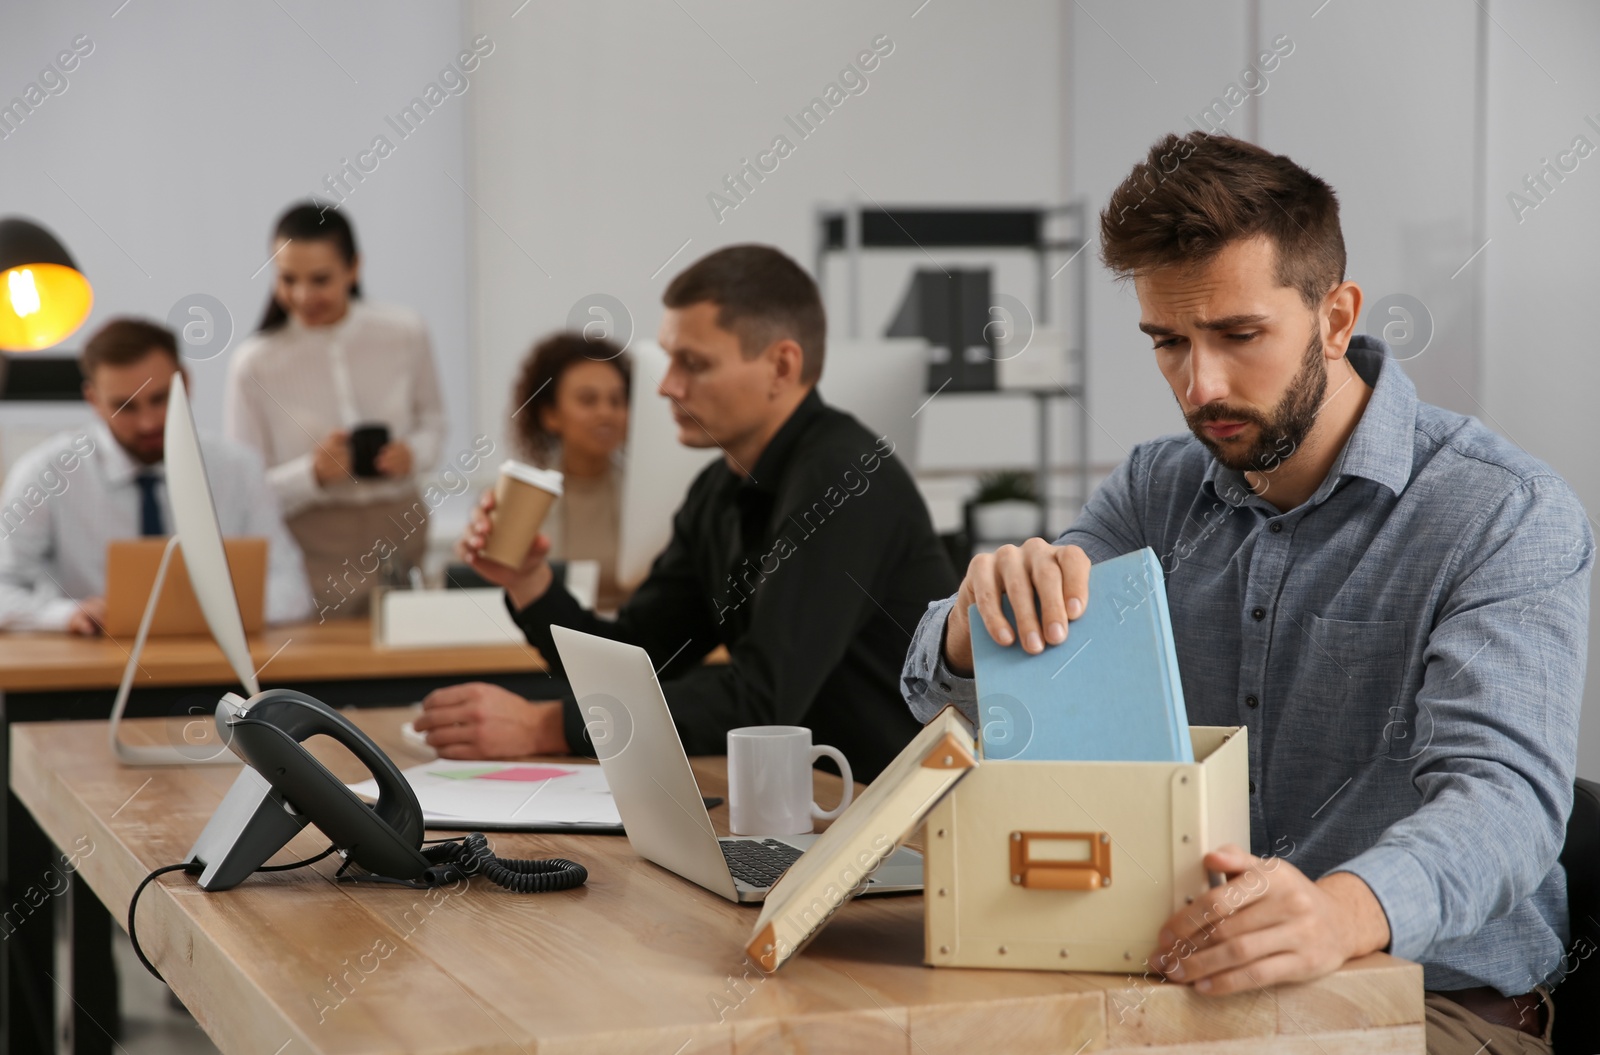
[1064, 866]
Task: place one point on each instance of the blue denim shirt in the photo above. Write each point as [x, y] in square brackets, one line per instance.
[1407, 650]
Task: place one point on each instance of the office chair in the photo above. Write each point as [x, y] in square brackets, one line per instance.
[1577, 1029]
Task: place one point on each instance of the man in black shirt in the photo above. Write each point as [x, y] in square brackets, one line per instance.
[806, 549]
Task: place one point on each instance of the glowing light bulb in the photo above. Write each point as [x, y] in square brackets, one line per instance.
[24, 294]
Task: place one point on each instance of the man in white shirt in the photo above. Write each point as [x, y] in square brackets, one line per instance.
[65, 500]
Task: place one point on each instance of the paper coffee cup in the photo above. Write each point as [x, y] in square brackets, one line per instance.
[522, 496]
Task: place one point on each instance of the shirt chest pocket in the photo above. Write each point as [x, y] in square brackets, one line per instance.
[1344, 693]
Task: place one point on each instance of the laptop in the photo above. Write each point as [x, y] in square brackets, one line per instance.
[655, 790]
[131, 572]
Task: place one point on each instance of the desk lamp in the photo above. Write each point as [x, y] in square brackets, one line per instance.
[44, 298]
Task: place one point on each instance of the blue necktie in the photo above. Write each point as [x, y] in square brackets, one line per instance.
[149, 504]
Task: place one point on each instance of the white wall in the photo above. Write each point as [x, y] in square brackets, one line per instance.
[1137, 71]
[1388, 123]
[607, 125]
[191, 125]
[1391, 123]
[1541, 374]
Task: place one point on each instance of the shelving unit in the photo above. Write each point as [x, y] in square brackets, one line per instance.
[854, 229]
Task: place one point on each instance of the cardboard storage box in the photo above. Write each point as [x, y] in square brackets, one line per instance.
[1065, 866]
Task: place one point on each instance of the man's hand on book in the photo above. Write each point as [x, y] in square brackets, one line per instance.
[1058, 576]
[1268, 923]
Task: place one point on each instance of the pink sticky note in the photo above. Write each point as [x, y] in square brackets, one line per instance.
[525, 773]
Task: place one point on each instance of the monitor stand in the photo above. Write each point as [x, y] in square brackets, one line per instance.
[203, 753]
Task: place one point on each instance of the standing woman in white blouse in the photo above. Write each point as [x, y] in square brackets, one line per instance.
[323, 362]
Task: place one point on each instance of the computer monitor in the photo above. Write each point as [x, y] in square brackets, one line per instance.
[198, 534]
[879, 382]
[195, 524]
[657, 468]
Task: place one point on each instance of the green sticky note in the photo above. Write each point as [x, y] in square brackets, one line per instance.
[466, 774]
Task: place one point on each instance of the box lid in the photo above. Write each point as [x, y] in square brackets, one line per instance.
[831, 871]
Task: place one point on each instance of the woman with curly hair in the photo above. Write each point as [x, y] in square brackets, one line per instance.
[572, 415]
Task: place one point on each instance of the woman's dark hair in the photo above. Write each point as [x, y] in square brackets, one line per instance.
[540, 377]
[310, 222]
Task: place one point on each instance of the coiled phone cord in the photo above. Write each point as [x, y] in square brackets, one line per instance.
[469, 855]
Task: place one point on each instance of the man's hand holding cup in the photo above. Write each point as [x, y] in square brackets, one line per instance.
[1048, 586]
[502, 542]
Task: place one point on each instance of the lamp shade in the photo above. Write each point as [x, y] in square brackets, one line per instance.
[44, 298]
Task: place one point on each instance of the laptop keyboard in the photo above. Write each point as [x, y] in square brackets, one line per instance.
[758, 864]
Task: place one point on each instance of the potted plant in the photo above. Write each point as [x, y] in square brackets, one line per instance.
[1005, 509]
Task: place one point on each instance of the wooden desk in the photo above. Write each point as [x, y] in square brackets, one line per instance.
[57, 676]
[332, 651]
[637, 961]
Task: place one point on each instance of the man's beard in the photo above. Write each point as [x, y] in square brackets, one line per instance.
[139, 454]
[1277, 436]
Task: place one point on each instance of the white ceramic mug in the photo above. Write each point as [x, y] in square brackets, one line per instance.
[769, 780]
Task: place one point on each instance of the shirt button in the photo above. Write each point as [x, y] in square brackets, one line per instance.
[1252, 787]
[1251, 701]
[945, 685]
[1258, 614]
[1276, 527]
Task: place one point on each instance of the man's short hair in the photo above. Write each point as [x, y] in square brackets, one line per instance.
[1197, 193]
[123, 341]
[761, 296]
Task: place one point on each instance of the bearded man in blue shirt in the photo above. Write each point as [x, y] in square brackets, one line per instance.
[1390, 597]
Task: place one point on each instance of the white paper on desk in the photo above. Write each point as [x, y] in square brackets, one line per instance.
[466, 795]
[437, 618]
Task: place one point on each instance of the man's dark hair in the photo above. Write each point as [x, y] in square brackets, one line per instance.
[761, 296]
[1197, 193]
[123, 341]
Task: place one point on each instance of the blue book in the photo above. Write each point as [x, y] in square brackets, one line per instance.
[1109, 693]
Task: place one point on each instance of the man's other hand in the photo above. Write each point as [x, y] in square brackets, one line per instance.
[89, 619]
[478, 720]
[1269, 923]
